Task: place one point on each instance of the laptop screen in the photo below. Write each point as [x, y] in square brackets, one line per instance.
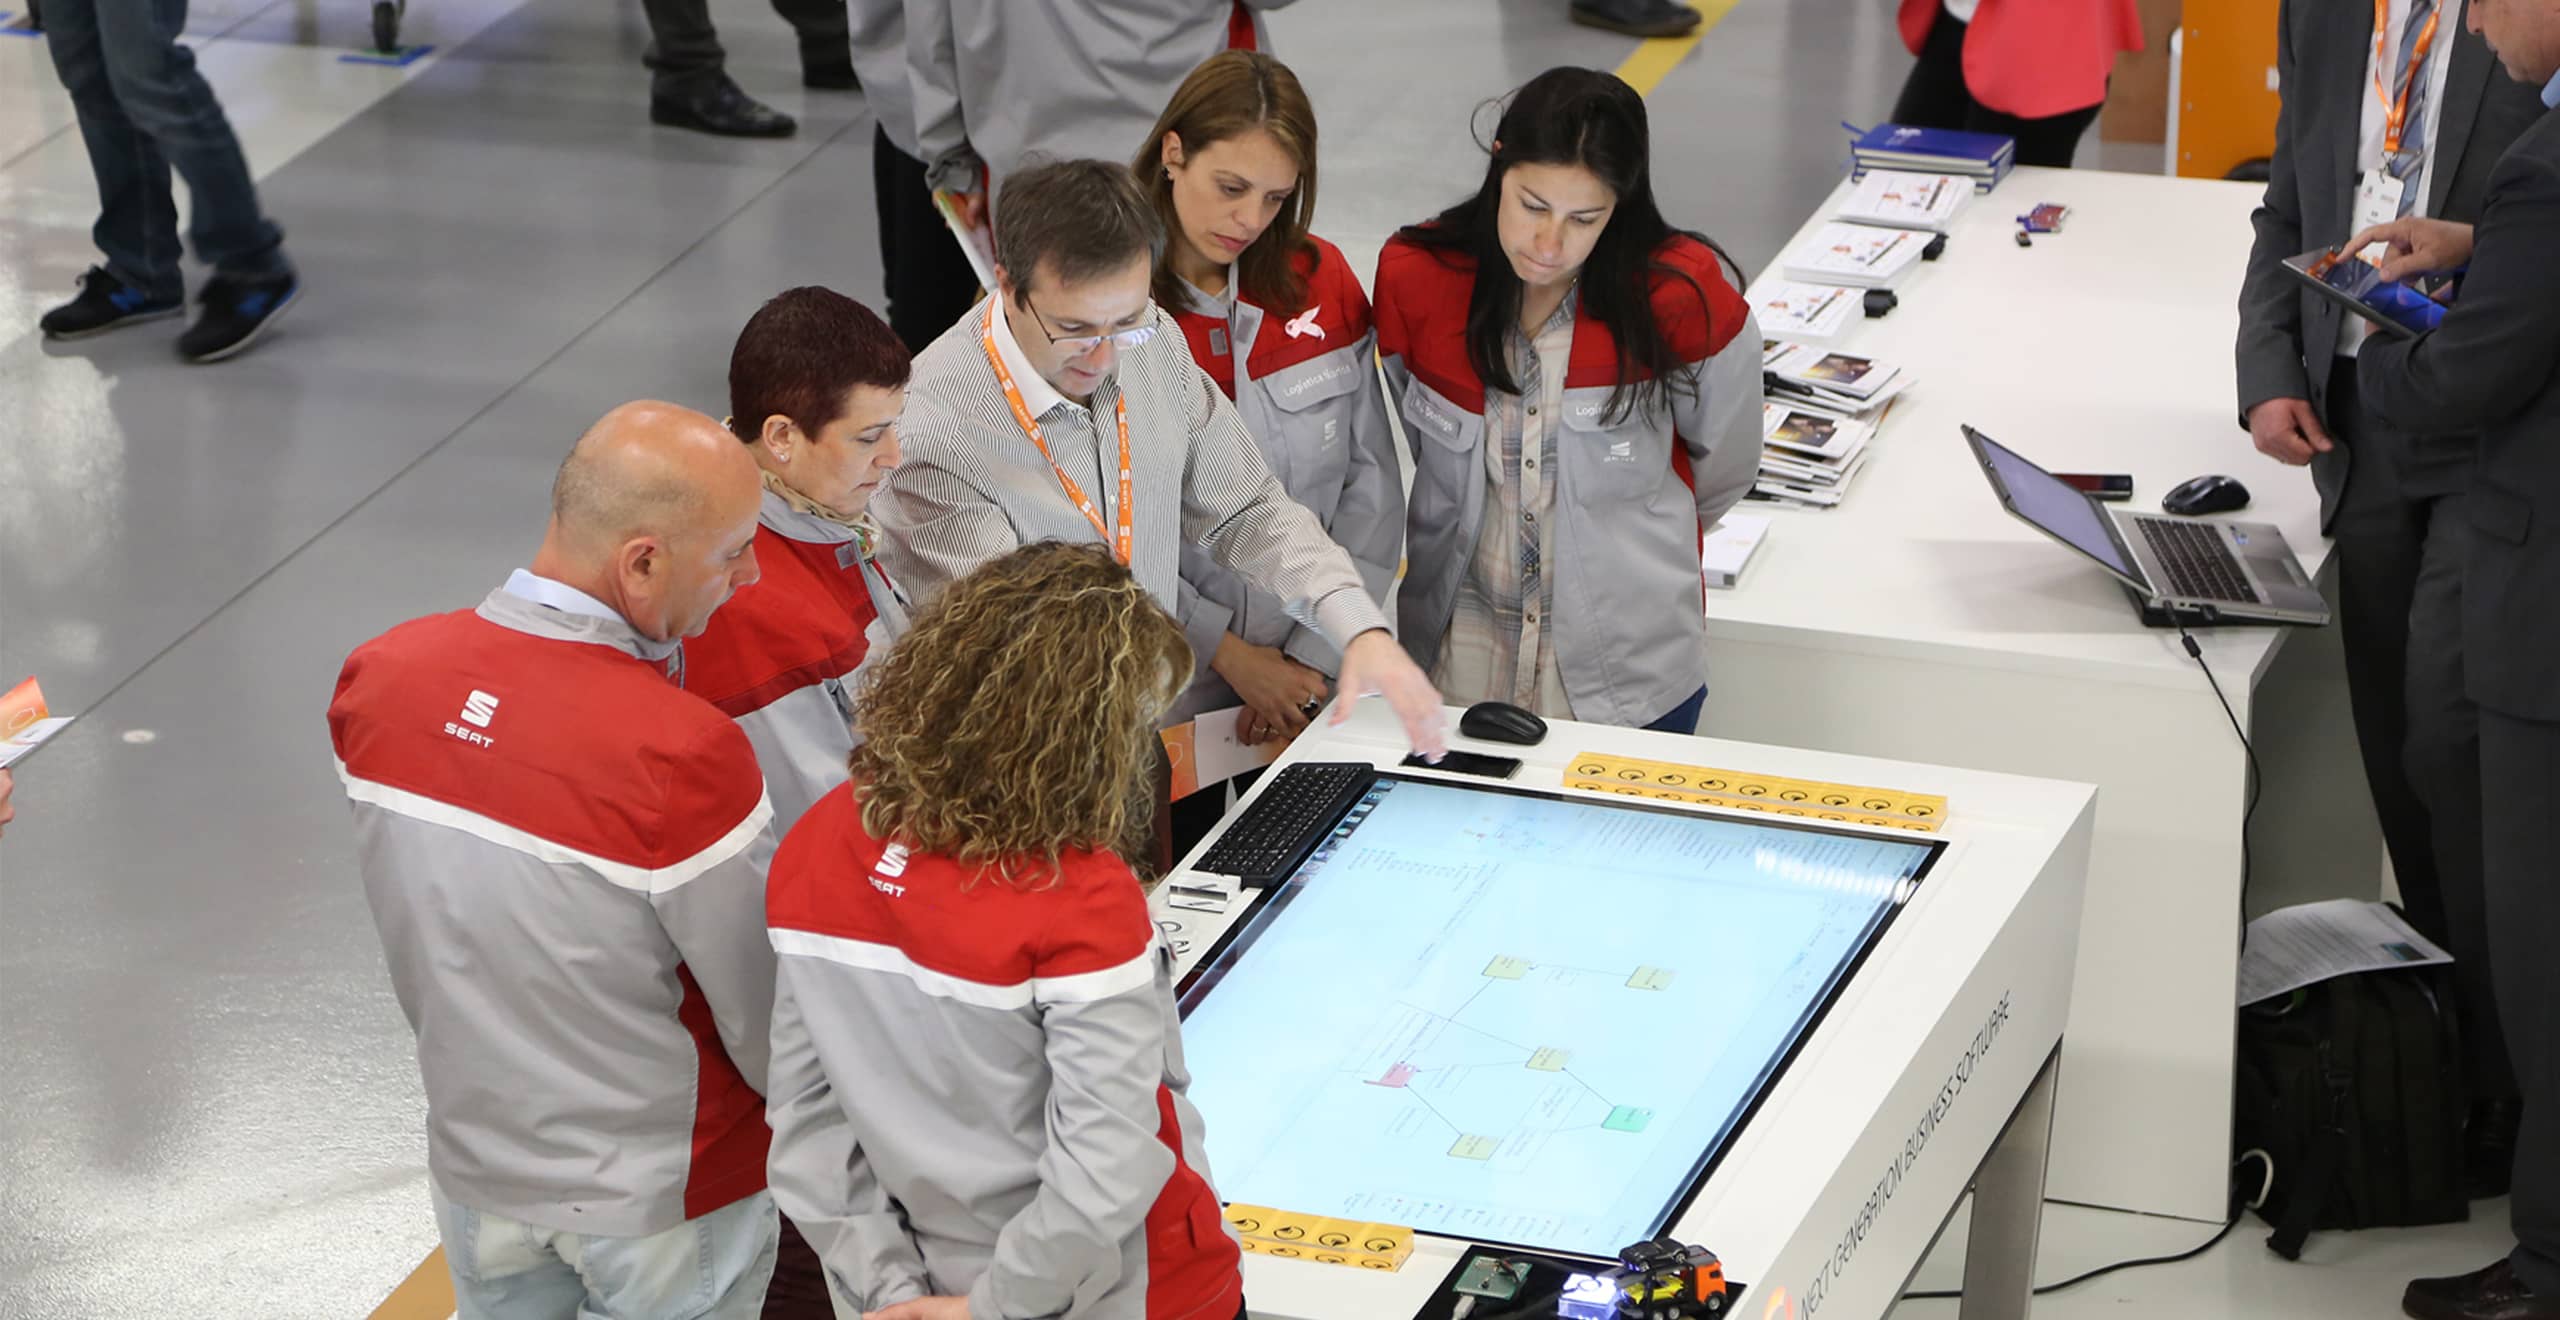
[2045, 500]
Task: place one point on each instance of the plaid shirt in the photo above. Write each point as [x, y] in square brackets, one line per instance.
[1499, 647]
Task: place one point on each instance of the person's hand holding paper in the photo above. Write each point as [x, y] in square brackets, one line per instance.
[2416, 246]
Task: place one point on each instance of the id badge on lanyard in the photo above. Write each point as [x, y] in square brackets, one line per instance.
[2377, 200]
[2378, 194]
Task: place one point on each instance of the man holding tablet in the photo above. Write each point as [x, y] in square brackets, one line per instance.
[2391, 108]
[2493, 367]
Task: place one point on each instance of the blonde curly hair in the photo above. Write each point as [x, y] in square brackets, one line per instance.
[1017, 719]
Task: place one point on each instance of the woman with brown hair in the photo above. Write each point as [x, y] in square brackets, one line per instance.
[977, 1086]
[1278, 319]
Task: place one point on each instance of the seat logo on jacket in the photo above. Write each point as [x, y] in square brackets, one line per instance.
[893, 862]
[477, 710]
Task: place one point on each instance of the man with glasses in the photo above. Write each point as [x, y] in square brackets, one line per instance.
[1059, 410]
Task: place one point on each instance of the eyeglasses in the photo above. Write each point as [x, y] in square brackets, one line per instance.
[1079, 345]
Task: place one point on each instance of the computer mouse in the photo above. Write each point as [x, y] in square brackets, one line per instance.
[2209, 494]
[1500, 721]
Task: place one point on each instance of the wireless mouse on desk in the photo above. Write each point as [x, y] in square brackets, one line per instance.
[1500, 721]
[2210, 494]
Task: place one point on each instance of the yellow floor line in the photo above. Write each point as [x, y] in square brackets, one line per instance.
[1644, 69]
[427, 1294]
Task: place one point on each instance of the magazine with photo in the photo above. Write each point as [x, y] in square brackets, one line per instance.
[1861, 379]
[1786, 427]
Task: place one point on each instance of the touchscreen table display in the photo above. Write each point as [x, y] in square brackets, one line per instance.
[1521, 1017]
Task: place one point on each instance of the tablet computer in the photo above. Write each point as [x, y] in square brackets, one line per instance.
[2396, 307]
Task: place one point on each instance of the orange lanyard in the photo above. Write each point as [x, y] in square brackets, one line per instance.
[1125, 542]
[2395, 110]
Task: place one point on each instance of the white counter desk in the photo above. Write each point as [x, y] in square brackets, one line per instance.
[1917, 621]
[1943, 1039]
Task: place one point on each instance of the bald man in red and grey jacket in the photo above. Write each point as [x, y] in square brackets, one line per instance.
[565, 854]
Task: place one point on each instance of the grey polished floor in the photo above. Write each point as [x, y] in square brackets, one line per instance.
[211, 1108]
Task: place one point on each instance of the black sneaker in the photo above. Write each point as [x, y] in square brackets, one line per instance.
[236, 312]
[105, 303]
[1636, 18]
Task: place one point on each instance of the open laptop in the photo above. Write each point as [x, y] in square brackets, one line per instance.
[2193, 571]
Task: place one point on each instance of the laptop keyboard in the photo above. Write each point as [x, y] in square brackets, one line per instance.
[2199, 562]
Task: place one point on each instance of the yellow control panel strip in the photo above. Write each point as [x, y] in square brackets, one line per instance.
[1288, 1235]
[1738, 790]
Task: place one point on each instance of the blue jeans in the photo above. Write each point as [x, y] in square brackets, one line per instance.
[143, 108]
[711, 1268]
[1683, 717]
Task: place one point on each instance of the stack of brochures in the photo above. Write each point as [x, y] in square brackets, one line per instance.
[1985, 158]
[1810, 313]
[1899, 199]
[1822, 409]
[1861, 256]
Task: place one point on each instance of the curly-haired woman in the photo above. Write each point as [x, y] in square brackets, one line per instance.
[977, 1080]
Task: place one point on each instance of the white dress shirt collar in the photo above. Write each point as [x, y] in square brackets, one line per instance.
[560, 596]
[2551, 92]
[1038, 394]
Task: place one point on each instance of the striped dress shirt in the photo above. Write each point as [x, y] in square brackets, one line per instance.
[972, 486]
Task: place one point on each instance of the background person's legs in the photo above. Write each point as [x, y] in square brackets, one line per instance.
[137, 229]
[1934, 95]
[2520, 797]
[156, 82]
[825, 30]
[2442, 757]
[2050, 141]
[684, 54]
[929, 282]
[689, 85]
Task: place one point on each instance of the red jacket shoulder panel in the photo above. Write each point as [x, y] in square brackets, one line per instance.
[1698, 309]
[832, 877]
[1421, 309]
[578, 744]
[1336, 315]
[802, 622]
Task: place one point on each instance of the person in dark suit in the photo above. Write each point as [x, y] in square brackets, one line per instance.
[2493, 367]
[2393, 501]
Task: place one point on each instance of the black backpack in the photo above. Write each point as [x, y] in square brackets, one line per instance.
[2352, 1091]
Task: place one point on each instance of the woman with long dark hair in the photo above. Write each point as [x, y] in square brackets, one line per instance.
[1278, 319]
[1580, 389]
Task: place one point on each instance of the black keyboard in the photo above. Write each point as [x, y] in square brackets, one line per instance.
[2200, 563]
[1291, 816]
